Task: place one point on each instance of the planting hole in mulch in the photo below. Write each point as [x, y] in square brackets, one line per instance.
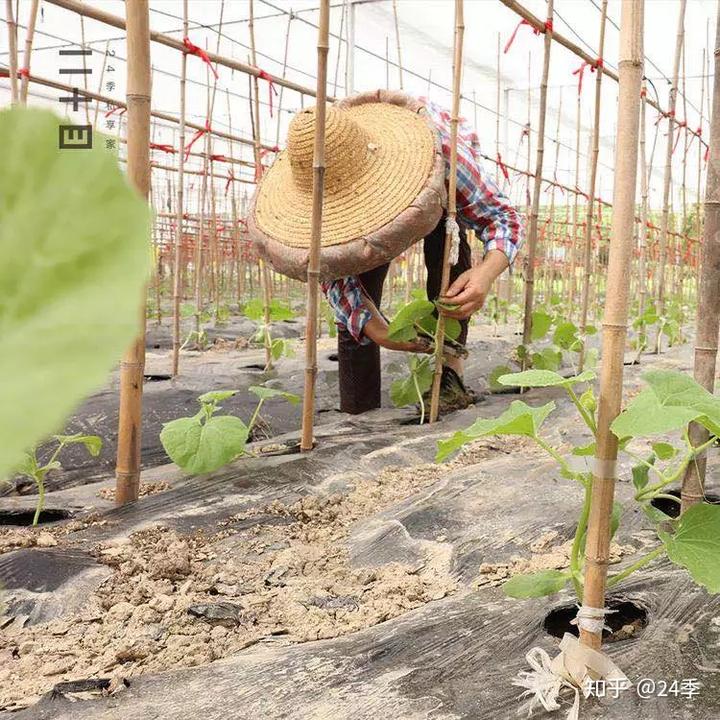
[25, 517]
[156, 377]
[672, 509]
[629, 620]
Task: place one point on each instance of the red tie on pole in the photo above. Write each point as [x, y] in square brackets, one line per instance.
[199, 52]
[503, 169]
[198, 134]
[272, 90]
[165, 148]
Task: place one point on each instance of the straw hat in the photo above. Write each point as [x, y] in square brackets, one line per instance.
[384, 187]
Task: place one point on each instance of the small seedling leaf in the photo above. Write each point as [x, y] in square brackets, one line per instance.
[541, 323]
[544, 378]
[93, 443]
[664, 451]
[406, 318]
[545, 582]
[265, 393]
[201, 447]
[216, 396]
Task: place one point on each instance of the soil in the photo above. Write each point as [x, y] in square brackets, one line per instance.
[292, 586]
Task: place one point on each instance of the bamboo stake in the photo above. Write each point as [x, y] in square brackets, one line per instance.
[313, 273]
[13, 56]
[587, 247]
[708, 309]
[397, 43]
[665, 218]
[535, 207]
[291, 16]
[573, 249]
[616, 312]
[180, 205]
[452, 204]
[28, 50]
[255, 110]
[642, 230]
[127, 471]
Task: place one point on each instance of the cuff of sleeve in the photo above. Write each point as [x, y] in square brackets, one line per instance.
[357, 321]
[505, 246]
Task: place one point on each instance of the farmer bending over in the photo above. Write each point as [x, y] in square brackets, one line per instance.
[387, 161]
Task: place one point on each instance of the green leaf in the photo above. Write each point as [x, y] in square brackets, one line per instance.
[403, 391]
[518, 419]
[254, 310]
[265, 393]
[280, 311]
[695, 545]
[541, 323]
[588, 401]
[646, 415]
[591, 357]
[495, 374]
[93, 443]
[277, 348]
[216, 396]
[641, 473]
[565, 336]
[676, 389]
[547, 359]
[545, 582]
[405, 320]
[664, 451]
[544, 378]
[199, 447]
[584, 450]
[74, 243]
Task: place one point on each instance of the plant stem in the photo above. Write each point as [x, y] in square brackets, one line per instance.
[557, 457]
[40, 480]
[577, 542]
[420, 398]
[255, 416]
[586, 416]
[615, 579]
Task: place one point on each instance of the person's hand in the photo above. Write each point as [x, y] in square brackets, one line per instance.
[377, 330]
[470, 289]
[468, 293]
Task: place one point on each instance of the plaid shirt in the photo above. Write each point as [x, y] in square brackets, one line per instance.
[481, 206]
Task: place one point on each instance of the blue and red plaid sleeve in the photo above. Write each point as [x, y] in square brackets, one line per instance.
[345, 298]
[481, 205]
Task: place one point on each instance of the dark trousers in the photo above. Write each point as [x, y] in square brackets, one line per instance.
[359, 365]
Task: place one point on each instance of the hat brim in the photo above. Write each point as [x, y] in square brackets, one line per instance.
[397, 200]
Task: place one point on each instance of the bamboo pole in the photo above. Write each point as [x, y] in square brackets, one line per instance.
[616, 313]
[177, 254]
[665, 218]
[587, 246]
[643, 229]
[452, 204]
[255, 112]
[313, 273]
[535, 207]
[127, 471]
[24, 83]
[397, 43]
[574, 238]
[708, 309]
[12, 44]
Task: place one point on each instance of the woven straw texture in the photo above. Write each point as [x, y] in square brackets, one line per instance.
[384, 187]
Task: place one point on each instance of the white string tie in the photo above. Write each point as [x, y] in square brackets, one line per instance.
[453, 230]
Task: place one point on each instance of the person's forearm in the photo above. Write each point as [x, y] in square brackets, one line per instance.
[494, 264]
